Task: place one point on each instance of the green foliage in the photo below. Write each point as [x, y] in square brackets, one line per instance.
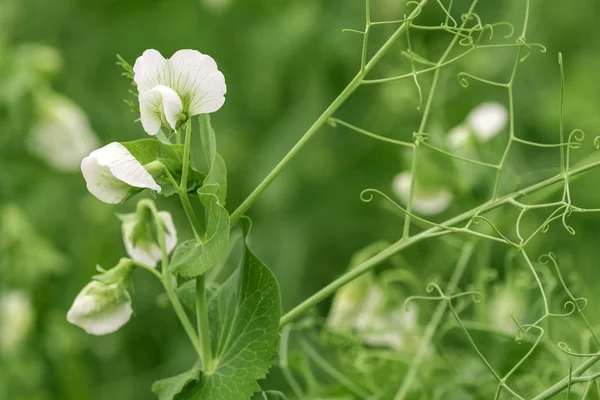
[192, 258]
[244, 319]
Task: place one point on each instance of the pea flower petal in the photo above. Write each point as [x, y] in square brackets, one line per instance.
[424, 202]
[487, 120]
[157, 103]
[194, 77]
[100, 308]
[147, 250]
[112, 171]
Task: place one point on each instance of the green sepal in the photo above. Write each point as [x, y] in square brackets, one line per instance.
[217, 170]
[150, 152]
[244, 319]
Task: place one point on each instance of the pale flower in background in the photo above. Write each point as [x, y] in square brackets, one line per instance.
[487, 120]
[424, 202]
[459, 137]
[16, 319]
[173, 90]
[507, 301]
[104, 305]
[62, 136]
[216, 5]
[112, 172]
[144, 248]
[363, 309]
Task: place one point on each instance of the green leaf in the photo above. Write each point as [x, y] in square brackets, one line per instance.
[273, 395]
[217, 170]
[244, 320]
[147, 151]
[192, 258]
[167, 389]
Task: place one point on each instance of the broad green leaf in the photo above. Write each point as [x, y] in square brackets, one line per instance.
[147, 151]
[192, 258]
[217, 170]
[244, 319]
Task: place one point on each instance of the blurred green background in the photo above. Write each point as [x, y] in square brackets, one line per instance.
[284, 62]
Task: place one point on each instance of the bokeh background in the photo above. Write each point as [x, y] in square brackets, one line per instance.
[284, 62]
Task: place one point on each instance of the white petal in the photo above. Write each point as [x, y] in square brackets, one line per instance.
[197, 80]
[429, 203]
[16, 319]
[487, 120]
[170, 231]
[158, 101]
[111, 171]
[148, 252]
[151, 69]
[62, 136]
[97, 311]
[458, 137]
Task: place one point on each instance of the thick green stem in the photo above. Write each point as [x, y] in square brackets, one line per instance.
[203, 326]
[183, 194]
[352, 86]
[565, 382]
[167, 281]
[432, 232]
[201, 309]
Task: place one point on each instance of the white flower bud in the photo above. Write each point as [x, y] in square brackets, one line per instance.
[141, 244]
[171, 90]
[112, 173]
[104, 305]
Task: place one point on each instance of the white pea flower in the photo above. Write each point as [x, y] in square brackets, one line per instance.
[487, 120]
[16, 319]
[172, 90]
[104, 305]
[144, 248]
[112, 172]
[424, 202]
[62, 136]
[459, 137]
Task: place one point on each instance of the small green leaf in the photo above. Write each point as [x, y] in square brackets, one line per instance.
[217, 170]
[273, 395]
[192, 258]
[244, 320]
[167, 389]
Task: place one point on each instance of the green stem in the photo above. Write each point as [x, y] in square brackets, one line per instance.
[342, 97]
[183, 194]
[167, 282]
[201, 308]
[203, 326]
[402, 244]
[435, 321]
[565, 382]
